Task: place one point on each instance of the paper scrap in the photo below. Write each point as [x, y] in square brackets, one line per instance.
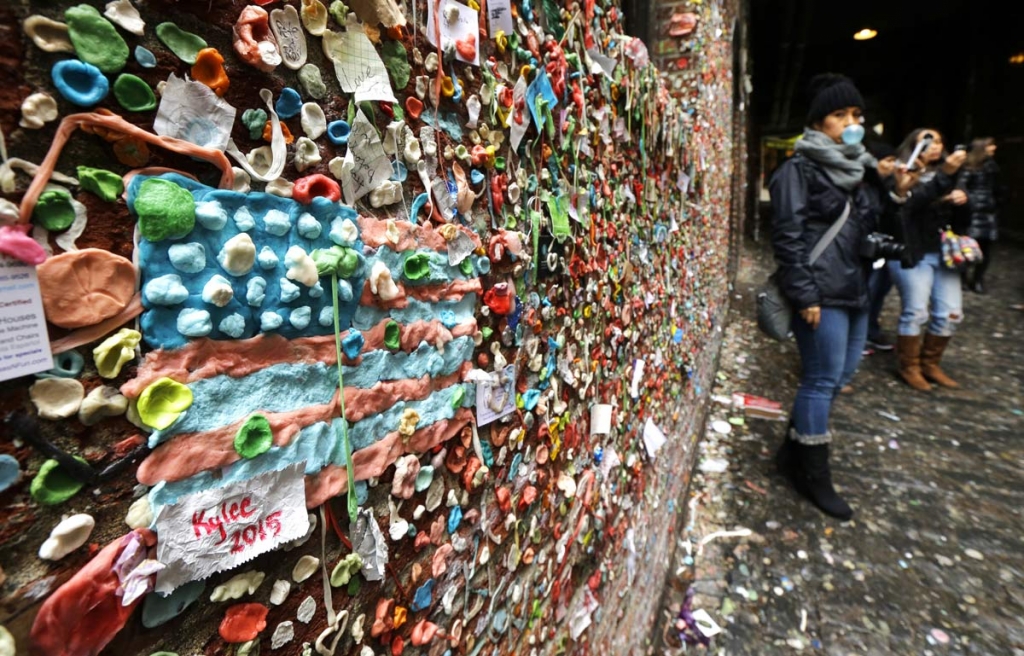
[465, 27]
[359, 68]
[499, 17]
[582, 615]
[602, 64]
[366, 166]
[24, 342]
[221, 528]
[638, 376]
[705, 624]
[368, 541]
[496, 399]
[191, 111]
[654, 439]
[460, 248]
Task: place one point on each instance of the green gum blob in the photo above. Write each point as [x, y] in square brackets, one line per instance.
[392, 335]
[133, 93]
[162, 402]
[165, 210]
[96, 39]
[466, 267]
[54, 211]
[255, 120]
[105, 184]
[346, 568]
[417, 266]
[458, 396]
[184, 45]
[52, 485]
[254, 437]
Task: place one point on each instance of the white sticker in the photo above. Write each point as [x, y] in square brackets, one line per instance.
[219, 529]
[24, 344]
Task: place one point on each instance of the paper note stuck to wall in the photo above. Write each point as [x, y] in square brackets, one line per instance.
[654, 439]
[465, 28]
[219, 529]
[366, 165]
[494, 401]
[499, 17]
[358, 66]
[24, 342]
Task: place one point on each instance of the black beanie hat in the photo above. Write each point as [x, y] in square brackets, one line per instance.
[829, 92]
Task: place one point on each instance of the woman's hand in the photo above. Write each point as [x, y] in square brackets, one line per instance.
[957, 197]
[954, 162]
[906, 179]
[812, 316]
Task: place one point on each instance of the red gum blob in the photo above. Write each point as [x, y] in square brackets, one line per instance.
[243, 622]
[467, 47]
[252, 27]
[316, 185]
[85, 614]
[413, 106]
[499, 299]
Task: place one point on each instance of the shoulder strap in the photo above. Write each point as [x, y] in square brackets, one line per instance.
[827, 238]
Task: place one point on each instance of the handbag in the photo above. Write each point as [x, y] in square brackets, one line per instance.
[959, 251]
[774, 310]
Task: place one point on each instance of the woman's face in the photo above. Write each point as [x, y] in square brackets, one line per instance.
[834, 124]
[933, 152]
[990, 150]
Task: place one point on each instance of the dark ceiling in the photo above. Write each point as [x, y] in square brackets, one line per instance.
[941, 63]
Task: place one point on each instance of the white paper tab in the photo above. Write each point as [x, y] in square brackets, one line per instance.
[219, 529]
[24, 344]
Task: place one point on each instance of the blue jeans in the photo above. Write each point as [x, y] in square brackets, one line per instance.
[829, 357]
[878, 287]
[928, 281]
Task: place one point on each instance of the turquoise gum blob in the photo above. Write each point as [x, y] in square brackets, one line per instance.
[80, 83]
[338, 131]
[289, 104]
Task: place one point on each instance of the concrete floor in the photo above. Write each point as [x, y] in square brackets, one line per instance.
[933, 562]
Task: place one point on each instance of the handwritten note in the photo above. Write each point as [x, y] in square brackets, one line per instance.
[499, 17]
[24, 343]
[465, 28]
[219, 529]
[358, 66]
[366, 165]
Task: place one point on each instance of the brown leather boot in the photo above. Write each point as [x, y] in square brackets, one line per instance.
[908, 351]
[931, 354]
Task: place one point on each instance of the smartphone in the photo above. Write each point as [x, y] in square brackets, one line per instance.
[959, 147]
[921, 145]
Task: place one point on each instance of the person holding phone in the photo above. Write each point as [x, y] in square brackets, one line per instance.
[929, 293]
[821, 188]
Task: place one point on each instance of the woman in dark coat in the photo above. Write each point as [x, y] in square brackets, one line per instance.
[810, 192]
[980, 179]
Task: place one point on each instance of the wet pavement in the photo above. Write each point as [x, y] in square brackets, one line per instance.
[933, 562]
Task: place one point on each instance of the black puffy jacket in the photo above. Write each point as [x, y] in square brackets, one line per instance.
[805, 203]
[925, 215]
[983, 196]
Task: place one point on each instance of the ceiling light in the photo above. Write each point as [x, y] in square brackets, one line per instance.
[865, 34]
[1017, 59]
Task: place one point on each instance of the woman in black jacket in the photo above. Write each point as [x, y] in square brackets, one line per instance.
[929, 293]
[809, 193]
[980, 179]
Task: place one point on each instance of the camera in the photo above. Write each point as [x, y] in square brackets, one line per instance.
[877, 245]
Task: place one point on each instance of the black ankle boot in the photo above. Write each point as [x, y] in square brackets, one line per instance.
[811, 476]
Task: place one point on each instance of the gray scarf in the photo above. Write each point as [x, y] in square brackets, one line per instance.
[844, 163]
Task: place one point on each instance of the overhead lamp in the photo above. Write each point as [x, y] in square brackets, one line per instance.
[1017, 59]
[865, 34]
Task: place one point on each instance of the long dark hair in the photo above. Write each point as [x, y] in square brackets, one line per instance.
[906, 148]
[977, 155]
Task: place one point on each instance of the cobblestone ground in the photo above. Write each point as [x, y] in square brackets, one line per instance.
[933, 562]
